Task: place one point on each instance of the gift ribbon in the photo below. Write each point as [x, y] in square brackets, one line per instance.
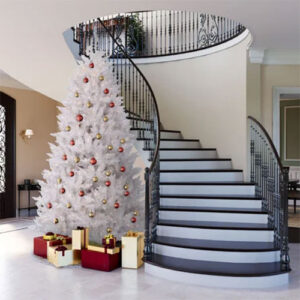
[61, 248]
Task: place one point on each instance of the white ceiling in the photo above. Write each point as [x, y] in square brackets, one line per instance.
[33, 51]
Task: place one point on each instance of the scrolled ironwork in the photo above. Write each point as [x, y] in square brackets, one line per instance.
[2, 149]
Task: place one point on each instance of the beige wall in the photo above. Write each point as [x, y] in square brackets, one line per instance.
[205, 98]
[37, 112]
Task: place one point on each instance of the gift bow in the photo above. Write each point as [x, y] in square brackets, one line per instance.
[61, 248]
[132, 234]
[49, 236]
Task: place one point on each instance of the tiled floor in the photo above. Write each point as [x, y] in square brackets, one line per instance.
[24, 276]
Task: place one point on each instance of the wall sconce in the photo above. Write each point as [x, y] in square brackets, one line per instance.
[27, 134]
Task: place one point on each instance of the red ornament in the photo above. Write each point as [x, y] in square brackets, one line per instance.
[126, 193]
[122, 169]
[111, 104]
[116, 205]
[79, 118]
[85, 80]
[71, 173]
[72, 142]
[64, 157]
[49, 205]
[121, 149]
[81, 193]
[133, 219]
[91, 65]
[106, 91]
[107, 183]
[93, 161]
[62, 190]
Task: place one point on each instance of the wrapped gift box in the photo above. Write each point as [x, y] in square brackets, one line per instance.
[40, 244]
[63, 255]
[132, 250]
[99, 261]
[103, 249]
[109, 241]
[80, 238]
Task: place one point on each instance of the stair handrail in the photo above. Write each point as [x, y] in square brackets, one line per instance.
[271, 184]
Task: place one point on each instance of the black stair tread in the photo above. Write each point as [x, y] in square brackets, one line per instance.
[162, 130]
[216, 268]
[139, 119]
[202, 171]
[187, 149]
[215, 245]
[214, 209]
[195, 159]
[221, 197]
[170, 140]
[215, 225]
[209, 183]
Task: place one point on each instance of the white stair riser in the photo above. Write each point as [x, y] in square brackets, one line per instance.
[179, 144]
[196, 165]
[207, 189]
[213, 216]
[188, 154]
[218, 256]
[243, 235]
[214, 281]
[201, 177]
[227, 203]
[170, 135]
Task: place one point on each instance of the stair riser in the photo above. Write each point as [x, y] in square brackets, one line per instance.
[213, 217]
[217, 203]
[195, 165]
[207, 189]
[214, 281]
[201, 177]
[188, 154]
[179, 144]
[170, 135]
[218, 256]
[243, 235]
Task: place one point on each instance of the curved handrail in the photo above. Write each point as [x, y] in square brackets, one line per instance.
[269, 140]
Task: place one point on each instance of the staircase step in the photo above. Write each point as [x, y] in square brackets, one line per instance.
[164, 134]
[201, 175]
[213, 209]
[178, 153]
[196, 164]
[176, 143]
[207, 188]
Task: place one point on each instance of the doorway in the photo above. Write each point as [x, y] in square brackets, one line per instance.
[7, 156]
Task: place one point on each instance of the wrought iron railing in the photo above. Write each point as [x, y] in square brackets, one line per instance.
[141, 107]
[271, 181]
[157, 33]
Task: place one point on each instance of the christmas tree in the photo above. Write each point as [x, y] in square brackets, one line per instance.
[92, 181]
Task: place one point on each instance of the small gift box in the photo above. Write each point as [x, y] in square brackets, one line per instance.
[99, 261]
[80, 238]
[132, 250]
[103, 249]
[41, 243]
[109, 241]
[62, 256]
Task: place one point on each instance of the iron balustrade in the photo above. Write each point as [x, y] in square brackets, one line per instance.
[141, 108]
[157, 33]
[271, 185]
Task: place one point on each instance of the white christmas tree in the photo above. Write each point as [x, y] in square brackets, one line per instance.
[92, 181]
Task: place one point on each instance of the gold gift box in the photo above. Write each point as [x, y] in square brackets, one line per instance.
[80, 238]
[63, 258]
[132, 250]
[100, 248]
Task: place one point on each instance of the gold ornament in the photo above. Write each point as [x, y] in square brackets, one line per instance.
[126, 187]
[108, 230]
[104, 201]
[91, 214]
[105, 119]
[122, 141]
[109, 147]
[76, 94]
[95, 178]
[108, 173]
[135, 213]
[77, 159]
[69, 205]
[89, 104]
[68, 128]
[101, 77]
[55, 221]
[59, 180]
[98, 136]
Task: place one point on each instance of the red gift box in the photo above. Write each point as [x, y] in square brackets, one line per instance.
[100, 261]
[40, 244]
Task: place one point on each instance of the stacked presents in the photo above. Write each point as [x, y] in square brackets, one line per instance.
[62, 250]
